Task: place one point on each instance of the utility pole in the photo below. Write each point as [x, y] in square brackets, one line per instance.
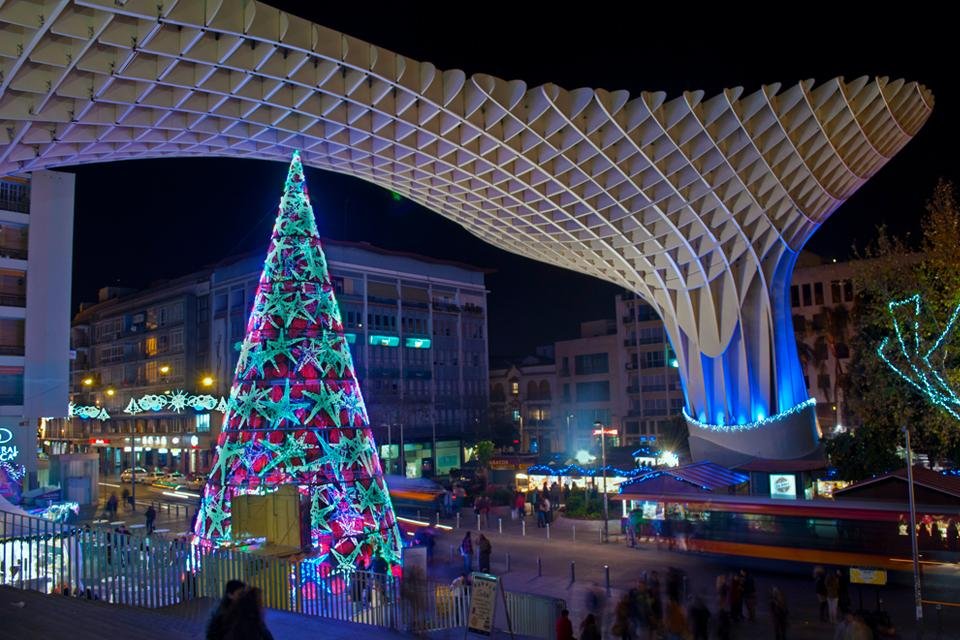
[917, 599]
[602, 432]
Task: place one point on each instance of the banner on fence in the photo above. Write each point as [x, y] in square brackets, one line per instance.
[483, 603]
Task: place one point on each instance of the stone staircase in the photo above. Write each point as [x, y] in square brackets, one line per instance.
[48, 617]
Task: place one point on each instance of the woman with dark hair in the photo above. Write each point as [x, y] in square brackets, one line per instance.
[245, 617]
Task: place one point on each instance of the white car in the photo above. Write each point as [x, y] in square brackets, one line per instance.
[127, 474]
[151, 476]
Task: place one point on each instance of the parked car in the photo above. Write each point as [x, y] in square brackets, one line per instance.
[152, 476]
[167, 483]
[175, 476]
[127, 474]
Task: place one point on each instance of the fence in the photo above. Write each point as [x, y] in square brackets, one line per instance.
[152, 571]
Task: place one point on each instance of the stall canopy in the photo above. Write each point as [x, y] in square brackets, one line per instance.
[694, 479]
[931, 488]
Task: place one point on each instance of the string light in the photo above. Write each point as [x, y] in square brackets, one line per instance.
[915, 366]
[577, 470]
[87, 412]
[296, 415]
[758, 424]
[175, 401]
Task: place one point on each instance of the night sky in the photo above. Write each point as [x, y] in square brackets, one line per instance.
[139, 221]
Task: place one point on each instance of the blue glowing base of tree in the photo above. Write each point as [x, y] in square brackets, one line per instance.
[295, 413]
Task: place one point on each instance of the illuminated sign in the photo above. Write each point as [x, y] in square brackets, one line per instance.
[783, 485]
[384, 341]
[351, 337]
[8, 452]
[417, 343]
[99, 441]
[859, 575]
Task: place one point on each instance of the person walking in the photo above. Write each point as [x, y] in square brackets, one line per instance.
[151, 515]
[466, 550]
[541, 515]
[564, 628]
[216, 625]
[484, 549]
[778, 613]
[832, 585]
[245, 617]
[125, 498]
[521, 504]
[699, 619]
[820, 587]
[112, 506]
[749, 594]
[589, 629]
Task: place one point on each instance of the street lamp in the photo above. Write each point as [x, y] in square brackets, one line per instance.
[569, 435]
[918, 600]
[207, 381]
[600, 430]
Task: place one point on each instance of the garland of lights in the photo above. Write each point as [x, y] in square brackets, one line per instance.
[758, 424]
[577, 470]
[917, 370]
[296, 415]
[175, 401]
[739, 477]
[87, 412]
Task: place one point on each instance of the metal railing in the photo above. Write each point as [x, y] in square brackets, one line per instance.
[134, 569]
[13, 299]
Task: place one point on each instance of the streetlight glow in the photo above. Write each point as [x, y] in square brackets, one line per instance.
[207, 381]
[165, 369]
[87, 381]
[110, 392]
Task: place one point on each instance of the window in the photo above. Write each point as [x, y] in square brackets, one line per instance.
[652, 360]
[823, 381]
[593, 391]
[655, 406]
[150, 346]
[650, 335]
[515, 388]
[807, 300]
[799, 323]
[795, 296]
[847, 291]
[843, 351]
[566, 392]
[591, 364]
[11, 385]
[835, 292]
[202, 424]
[176, 340]
[818, 293]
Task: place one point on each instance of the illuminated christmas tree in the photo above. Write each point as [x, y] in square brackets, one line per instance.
[295, 414]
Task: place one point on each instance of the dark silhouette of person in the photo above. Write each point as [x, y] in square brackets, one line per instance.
[244, 619]
[216, 629]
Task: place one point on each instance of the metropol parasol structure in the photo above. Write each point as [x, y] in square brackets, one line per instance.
[699, 204]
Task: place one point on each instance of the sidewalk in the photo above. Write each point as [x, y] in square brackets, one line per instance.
[578, 543]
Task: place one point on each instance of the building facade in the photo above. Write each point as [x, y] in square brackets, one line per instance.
[653, 388]
[417, 329]
[36, 249]
[523, 395]
[821, 298]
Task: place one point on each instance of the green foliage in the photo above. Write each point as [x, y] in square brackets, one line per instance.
[484, 452]
[581, 505]
[866, 452]
[890, 269]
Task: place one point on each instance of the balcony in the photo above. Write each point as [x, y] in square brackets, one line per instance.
[17, 253]
[15, 196]
[628, 319]
[634, 388]
[629, 343]
[13, 299]
[631, 366]
[11, 349]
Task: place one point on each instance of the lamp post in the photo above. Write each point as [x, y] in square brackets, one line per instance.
[570, 446]
[917, 599]
[603, 432]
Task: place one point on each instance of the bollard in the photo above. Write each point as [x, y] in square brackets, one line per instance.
[606, 573]
[539, 566]
[573, 571]
[500, 525]
[523, 527]
[458, 519]
[478, 522]
[508, 562]
[574, 527]
[438, 517]
[548, 531]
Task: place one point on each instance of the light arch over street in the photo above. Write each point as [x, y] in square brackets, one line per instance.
[699, 204]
